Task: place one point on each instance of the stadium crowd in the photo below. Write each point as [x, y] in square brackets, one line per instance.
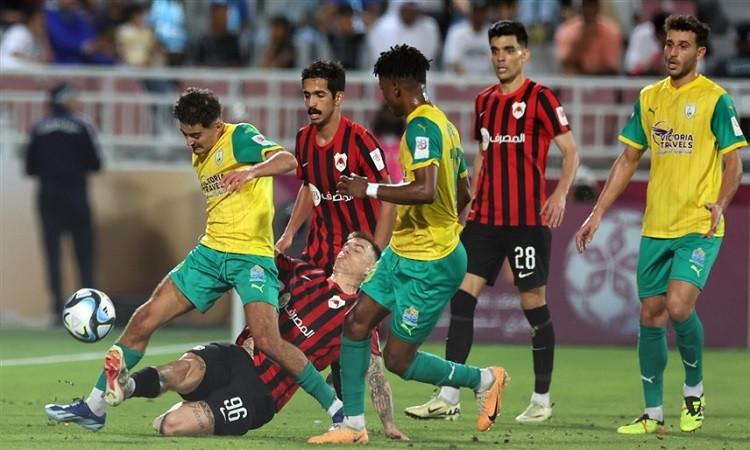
[616, 37]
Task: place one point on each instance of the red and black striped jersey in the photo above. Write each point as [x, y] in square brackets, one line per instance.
[353, 150]
[514, 131]
[312, 320]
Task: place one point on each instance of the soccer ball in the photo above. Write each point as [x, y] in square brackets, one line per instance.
[88, 315]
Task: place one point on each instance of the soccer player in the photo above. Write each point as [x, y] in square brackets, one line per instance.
[425, 261]
[234, 164]
[331, 146]
[689, 124]
[511, 215]
[228, 392]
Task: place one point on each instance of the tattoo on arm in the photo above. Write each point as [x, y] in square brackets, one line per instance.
[380, 391]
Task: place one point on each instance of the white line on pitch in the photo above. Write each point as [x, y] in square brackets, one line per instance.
[56, 359]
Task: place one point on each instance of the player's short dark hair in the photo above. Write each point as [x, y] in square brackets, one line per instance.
[509, 28]
[367, 237]
[331, 71]
[402, 61]
[689, 23]
[197, 105]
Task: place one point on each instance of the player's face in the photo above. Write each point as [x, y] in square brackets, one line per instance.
[319, 100]
[507, 57]
[199, 138]
[356, 255]
[681, 53]
[391, 95]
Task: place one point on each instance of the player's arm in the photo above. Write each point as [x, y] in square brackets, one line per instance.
[731, 179]
[553, 209]
[301, 210]
[382, 397]
[264, 158]
[475, 170]
[619, 176]
[386, 221]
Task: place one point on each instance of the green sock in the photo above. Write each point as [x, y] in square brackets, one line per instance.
[132, 357]
[690, 343]
[313, 383]
[652, 356]
[432, 369]
[354, 360]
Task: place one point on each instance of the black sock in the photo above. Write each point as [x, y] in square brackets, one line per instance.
[146, 383]
[461, 329]
[542, 346]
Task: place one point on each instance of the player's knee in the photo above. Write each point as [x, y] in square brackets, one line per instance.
[171, 425]
[679, 312]
[355, 329]
[463, 305]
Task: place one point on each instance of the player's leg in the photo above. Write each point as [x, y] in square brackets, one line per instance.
[83, 242]
[52, 228]
[259, 293]
[485, 258]
[654, 262]
[691, 266]
[182, 376]
[185, 419]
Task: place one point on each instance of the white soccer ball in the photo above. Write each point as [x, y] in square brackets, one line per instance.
[88, 315]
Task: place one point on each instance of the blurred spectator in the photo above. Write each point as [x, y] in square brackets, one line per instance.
[738, 65]
[388, 130]
[466, 48]
[62, 150]
[506, 10]
[72, 37]
[589, 43]
[106, 16]
[218, 48]
[279, 51]
[347, 37]
[24, 44]
[404, 23]
[135, 40]
[645, 53]
[540, 17]
[167, 18]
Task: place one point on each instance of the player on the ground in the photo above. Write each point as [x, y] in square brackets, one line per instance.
[690, 125]
[235, 164]
[425, 262]
[229, 393]
[515, 121]
[332, 145]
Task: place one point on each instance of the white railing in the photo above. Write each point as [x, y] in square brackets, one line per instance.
[136, 130]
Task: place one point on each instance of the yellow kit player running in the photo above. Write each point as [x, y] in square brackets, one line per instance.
[425, 262]
[234, 164]
[689, 124]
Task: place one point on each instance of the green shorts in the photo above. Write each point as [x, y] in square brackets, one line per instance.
[206, 274]
[415, 291]
[687, 258]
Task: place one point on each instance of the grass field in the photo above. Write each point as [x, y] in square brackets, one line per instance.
[594, 389]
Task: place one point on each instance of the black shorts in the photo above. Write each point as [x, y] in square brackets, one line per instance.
[233, 390]
[527, 250]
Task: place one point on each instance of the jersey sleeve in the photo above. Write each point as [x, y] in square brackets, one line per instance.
[477, 122]
[463, 170]
[250, 146]
[551, 114]
[298, 144]
[725, 125]
[372, 159]
[633, 134]
[424, 141]
[287, 267]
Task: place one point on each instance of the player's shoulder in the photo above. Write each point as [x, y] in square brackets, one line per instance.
[486, 92]
[357, 128]
[708, 85]
[655, 87]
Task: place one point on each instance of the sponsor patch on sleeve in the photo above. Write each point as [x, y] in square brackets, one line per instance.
[261, 140]
[377, 159]
[736, 127]
[561, 116]
[422, 147]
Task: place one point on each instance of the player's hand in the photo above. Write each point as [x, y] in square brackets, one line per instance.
[234, 180]
[716, 212]
[354, 185]
[554, 209]
[284, 242]
[585, 234]
[393, 433]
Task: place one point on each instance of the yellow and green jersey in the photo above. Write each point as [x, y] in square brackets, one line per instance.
[430, 231]
[239, 222]
[687, 130]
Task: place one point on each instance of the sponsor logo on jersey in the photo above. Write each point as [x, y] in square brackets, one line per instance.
[561, 116]
[377, 159]
[500, 138]
[307, 332]
[421, 147]
[667, 141]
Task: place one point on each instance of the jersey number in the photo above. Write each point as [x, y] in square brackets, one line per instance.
[233, 409]
[525, 258]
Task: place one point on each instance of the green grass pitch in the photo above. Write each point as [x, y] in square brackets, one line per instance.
[595, 389]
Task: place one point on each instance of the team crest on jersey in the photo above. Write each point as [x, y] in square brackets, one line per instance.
[219, 156]
[410, 319]
[335, 302]
[339, 161]
[518, 109]
[690, 110]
